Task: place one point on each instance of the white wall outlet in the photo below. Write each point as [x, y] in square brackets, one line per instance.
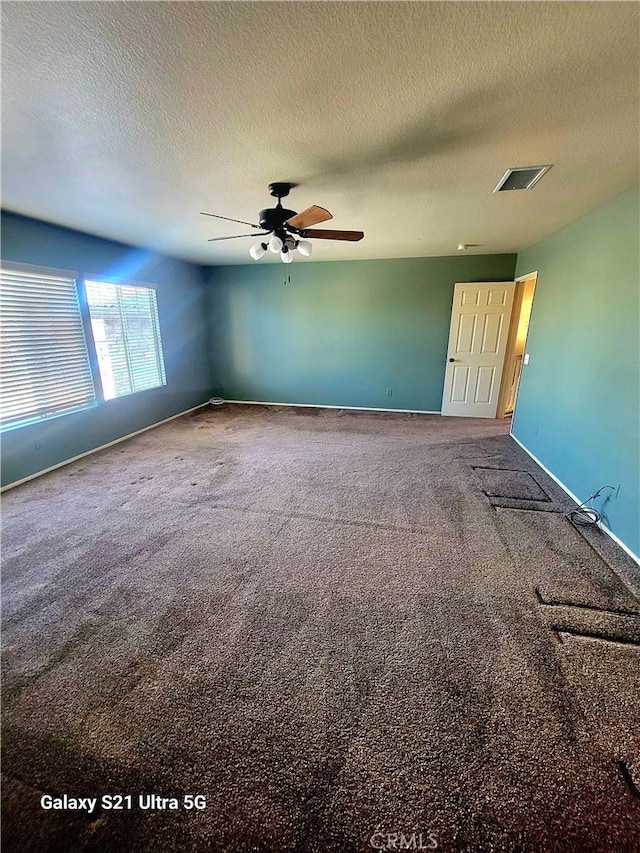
[526, 358]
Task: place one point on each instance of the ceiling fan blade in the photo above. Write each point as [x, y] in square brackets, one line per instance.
[325, 234]
[311, 216]
[235, 236]
[241, 221]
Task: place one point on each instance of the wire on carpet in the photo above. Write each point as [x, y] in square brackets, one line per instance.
[586, 514]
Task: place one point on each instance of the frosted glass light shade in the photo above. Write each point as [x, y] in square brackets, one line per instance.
[304, 247]
[275, 244]
[287, 257]
[257, 251]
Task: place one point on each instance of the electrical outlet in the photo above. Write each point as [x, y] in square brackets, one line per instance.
[389, 392]
[525, 360]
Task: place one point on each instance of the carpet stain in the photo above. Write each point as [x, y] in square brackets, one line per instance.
[629, 780]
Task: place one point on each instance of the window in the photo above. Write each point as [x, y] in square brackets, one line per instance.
[126, 331]
[44, 369]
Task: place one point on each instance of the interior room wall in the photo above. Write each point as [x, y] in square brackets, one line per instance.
[578, 407]
[183, 326]
[342, 332]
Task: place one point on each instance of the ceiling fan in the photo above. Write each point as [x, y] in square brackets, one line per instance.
[290, 230]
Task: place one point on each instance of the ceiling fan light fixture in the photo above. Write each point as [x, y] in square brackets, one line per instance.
[285, 227]
[257, 250]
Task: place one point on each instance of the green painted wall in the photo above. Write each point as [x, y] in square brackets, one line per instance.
[181, 295]
[578, 407]
[342, 332]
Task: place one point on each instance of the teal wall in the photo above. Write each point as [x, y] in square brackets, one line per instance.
[183, 325]
[342, 332]
[578, 407]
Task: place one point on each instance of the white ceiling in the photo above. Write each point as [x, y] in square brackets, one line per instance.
[127, 119]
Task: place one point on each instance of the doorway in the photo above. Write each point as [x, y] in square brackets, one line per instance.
[516, 341]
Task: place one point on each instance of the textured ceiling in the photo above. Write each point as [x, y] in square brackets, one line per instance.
[126, 119]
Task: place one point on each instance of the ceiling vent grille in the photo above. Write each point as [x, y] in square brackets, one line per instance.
[520, 178]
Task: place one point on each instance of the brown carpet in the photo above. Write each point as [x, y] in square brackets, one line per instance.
[345, 631]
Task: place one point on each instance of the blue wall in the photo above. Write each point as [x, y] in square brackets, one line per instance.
[578, 407]
[342, 332]
[183, 325]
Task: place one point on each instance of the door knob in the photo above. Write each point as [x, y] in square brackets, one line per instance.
[452, 359]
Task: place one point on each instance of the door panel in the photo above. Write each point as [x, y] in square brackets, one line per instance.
[466, 333]
[492, 333]
[484, 385]
[477, 344]
[460, 384]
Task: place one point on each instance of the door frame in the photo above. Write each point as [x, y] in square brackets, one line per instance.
[505, 384]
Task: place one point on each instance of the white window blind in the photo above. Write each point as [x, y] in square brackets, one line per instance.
[126, 331]
[44, 363]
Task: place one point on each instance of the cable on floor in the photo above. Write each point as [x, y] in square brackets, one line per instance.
[586, 514]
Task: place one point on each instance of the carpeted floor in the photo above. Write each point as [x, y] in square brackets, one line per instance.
[346, 631]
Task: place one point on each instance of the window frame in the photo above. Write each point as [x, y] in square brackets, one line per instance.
[119, 282]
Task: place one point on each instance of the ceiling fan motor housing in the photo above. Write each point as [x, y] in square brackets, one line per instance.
[273, 218]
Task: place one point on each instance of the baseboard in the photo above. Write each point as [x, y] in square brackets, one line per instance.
[573, 497]
[97, 449]
[319, 406]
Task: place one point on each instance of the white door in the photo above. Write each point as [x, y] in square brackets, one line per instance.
[477, 345]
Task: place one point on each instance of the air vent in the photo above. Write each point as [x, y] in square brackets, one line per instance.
[520, 178]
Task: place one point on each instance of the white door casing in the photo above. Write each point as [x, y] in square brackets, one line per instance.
[477, 344]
